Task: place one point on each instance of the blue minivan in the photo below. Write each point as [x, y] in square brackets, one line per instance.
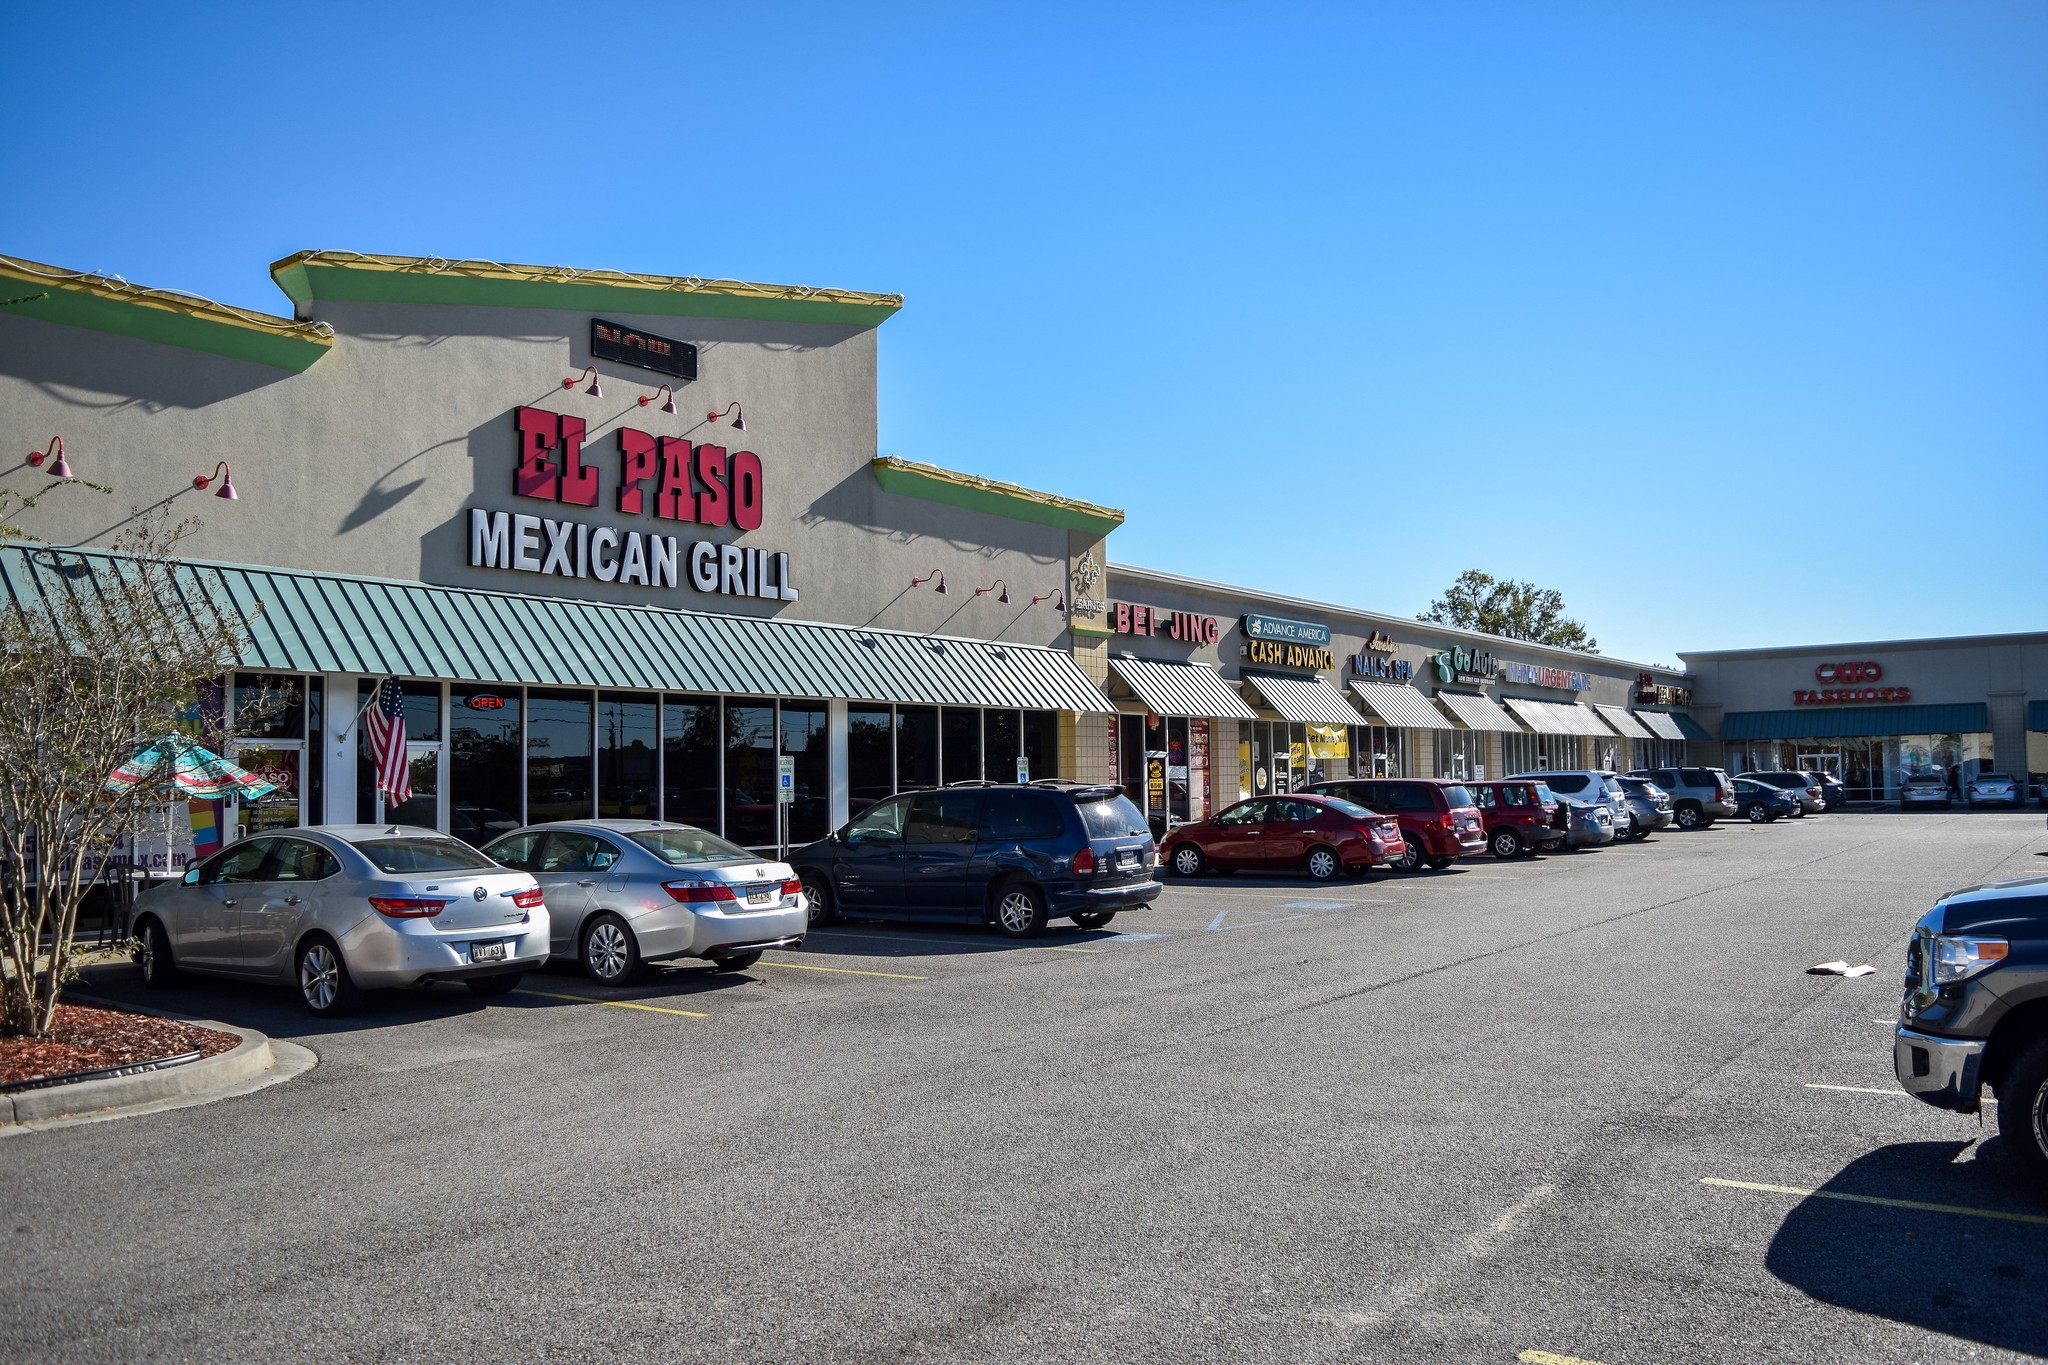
[985, 853]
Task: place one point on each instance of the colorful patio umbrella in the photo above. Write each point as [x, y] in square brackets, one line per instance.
[175, 767]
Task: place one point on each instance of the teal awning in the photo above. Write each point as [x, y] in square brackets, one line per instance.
[1852, 722]
[1689, 727]
[332, 623]
[2037, 715]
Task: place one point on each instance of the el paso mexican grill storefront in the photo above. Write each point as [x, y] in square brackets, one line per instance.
[624, 541]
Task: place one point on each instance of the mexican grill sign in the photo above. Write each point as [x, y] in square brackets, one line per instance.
[667, 478]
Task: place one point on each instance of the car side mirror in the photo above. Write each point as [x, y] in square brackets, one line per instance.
[191, 877]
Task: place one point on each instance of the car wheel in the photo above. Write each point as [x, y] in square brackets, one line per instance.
[817, 900]
[2023, 1110]
[1797, 812]
[504, 983]
[153, 955]
[1188, 861]
[1019, 909]
[1441, 863]
[609, 954]
[1756, 813]
[735, 962]
[324, 985]
[1505, 843]
[1094, 919]
[1688, 816]
[1322, 864]
[1411, 857]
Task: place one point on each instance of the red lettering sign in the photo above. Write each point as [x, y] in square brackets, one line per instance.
[746, 490]
[675, 501]
[539, 430]
[1848, 673]
[636, 465]
[714, 508]
[579, 484]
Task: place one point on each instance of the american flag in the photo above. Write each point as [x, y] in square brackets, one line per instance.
[385, 724]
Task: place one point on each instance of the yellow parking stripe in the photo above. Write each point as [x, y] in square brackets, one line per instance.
[1999, 1215]
[1069, 950]
[1552, 1358]
[843, 971]
[615, 1004]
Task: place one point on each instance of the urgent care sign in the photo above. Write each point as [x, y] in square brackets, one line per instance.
[667, 478]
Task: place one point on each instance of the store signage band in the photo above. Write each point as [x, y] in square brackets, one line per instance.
[1369, 665]
[1650, 692]
[1459, 664]
[625, 345]
[1866, 671]
[1132, 618]
[1542, 675]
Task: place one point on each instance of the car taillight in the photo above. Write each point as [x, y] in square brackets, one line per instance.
[527, 900]
[1813, 791]
[699, 893]
[1720, 793]
[408, 907]
[1449, 819]
[1084, 861]
[792, 887]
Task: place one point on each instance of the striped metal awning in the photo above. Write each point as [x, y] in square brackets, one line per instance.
[1624, 724]
[301, 622]
[1399, 704]
[1181, 689]
[1558, 718]
[1310, 701]
[1479, 713]
[1660, 725]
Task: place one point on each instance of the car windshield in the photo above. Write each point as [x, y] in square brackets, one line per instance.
[688, 844]
[1349, 809]
[1994, 777]
[420, 853]
[1111, 817]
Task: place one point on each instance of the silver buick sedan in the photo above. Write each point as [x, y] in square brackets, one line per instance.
[622, 893]
[342, 909]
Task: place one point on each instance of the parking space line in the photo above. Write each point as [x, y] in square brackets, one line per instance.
[1046, 948]
[1552, 1358]
[615, 1004]
[1869, 1090]
[1998, 1215]
[842, 971]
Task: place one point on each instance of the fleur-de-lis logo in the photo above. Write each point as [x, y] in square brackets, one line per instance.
[1087, 573]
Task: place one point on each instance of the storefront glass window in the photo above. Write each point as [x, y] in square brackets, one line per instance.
[270, 706]
[804, 737]
[422, 725]
[750, 772]
[870, 756]
[1001, 741]
[1329, 752]
[558, 756]
[1131, 757]
[627, 753]
[963, 744]
[1460, 754]
[1380, 750]
[1538, 753]
[917, 747]
[1042, 743]
[690, 746]
[484, 756]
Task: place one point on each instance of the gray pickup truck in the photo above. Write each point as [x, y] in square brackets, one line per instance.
[1975, 1012]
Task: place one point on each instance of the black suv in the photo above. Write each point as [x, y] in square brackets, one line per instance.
[1975, 1011]
[986, 853]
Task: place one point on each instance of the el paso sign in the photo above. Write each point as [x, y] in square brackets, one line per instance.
[703, 485]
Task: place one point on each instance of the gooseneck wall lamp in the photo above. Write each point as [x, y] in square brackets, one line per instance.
[668, 402]
[939, 574]
[1002, 596]
[596, 390]
[739, 422]
[61, 468]
[1058, 598]
[226, 476]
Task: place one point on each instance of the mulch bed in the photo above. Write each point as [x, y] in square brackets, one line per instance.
[87, 1039]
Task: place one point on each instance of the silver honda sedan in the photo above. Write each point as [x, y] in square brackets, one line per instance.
[342, 909]
[622, 893]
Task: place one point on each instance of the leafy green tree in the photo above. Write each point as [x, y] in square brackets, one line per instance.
[1505, 606]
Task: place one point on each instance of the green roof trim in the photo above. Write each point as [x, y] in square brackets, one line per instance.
[304, 622]
[976, 494]
[1854, 722]
[314, 276]
[107, 303]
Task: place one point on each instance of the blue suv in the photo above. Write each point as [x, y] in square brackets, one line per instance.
[985, 853]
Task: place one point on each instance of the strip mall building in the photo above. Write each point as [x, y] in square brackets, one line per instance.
[628, 541]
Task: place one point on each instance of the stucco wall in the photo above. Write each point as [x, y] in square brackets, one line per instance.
[366, 462]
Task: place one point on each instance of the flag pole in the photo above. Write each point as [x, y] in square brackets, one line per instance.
[343, 732]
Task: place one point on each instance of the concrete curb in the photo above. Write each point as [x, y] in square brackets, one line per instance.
[257, 1061]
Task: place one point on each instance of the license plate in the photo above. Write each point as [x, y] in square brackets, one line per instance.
[760, 897]
[1128, 858]
[487, 952]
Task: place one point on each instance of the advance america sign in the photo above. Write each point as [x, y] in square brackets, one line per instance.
[700, 484]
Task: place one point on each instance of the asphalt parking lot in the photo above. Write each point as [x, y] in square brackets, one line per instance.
[1581, 1107]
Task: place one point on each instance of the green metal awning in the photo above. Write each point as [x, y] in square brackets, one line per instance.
[1661, 724]
[1688, 728]
[1181, 689]
[1855, 722]
[330, 623]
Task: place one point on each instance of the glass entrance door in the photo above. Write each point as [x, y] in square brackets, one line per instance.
[279, 763]
[1831, 764]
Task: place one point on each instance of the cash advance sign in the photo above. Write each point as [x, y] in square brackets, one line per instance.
[666, 478]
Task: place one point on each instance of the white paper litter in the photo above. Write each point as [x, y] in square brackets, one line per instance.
[1840, 969]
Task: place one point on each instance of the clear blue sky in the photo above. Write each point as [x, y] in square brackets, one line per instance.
[1729, 320]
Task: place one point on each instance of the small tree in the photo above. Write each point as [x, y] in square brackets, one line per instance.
[1517, 610]
[101, 654]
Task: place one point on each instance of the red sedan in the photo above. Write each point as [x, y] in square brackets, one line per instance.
[1321, 835]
